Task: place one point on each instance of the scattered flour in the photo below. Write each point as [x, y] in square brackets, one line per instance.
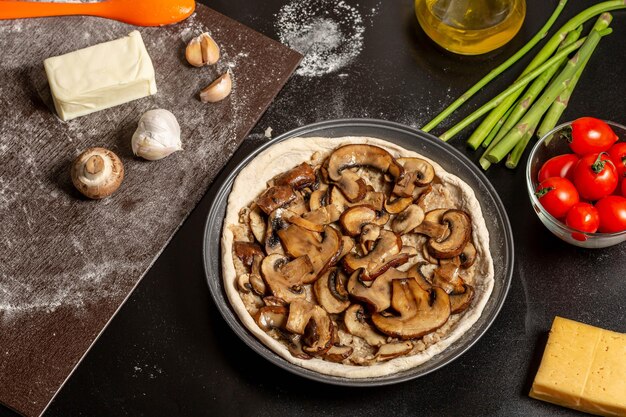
[328, 33]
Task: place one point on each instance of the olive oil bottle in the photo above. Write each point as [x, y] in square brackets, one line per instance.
[470, 27]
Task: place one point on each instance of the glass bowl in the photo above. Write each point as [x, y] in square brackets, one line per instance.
[552, 144]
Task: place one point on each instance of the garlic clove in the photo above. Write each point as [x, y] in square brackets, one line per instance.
[202, 50]
[157, 135]
[217, 90]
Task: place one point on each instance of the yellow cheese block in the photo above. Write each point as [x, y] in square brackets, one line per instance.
[584, 368]
[100, 76]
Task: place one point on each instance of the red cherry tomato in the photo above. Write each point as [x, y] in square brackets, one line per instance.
[557, 195]
[558, 166]
[583, 217]
[591, 135]
[595, 176]
[612, 211]
[618, 156]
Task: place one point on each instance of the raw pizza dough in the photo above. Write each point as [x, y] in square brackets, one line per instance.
[285, 155]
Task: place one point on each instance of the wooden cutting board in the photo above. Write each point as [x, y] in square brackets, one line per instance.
[66, 263]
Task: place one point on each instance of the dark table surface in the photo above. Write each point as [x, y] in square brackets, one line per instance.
[169, 353]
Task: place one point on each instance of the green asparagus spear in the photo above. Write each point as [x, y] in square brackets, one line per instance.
[497, 71]
[531, 119]
[487, 124]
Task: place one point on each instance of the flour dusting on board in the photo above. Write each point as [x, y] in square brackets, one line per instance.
[328, 33]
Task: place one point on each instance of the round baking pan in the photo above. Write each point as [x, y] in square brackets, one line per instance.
[500, 238]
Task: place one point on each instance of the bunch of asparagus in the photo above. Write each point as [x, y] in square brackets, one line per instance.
[542, 91]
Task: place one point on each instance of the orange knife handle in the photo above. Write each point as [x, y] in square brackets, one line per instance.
[10, 9]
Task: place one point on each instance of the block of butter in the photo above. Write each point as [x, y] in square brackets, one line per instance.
[584, 368]
[100, 76]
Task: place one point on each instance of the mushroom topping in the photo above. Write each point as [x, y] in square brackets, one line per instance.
[349, 156]
[468, 256]
[97, 173]
[377, 295]
[285, 278]
[317, 219]
[323, 253]
[397, 205]
[372, 198]
[275, 197]
[356, 217]
[257, 224]
[460, 226]
[275, 223]
[330, 291]
[447, 277]
[298, 177]
[271, 317]
[417, 172]
[338, 353]
[393, 350]
[369, 235]
[460, 302]
[356, 324]
[246, 251]
[346, 246]
[408, 220]
[270, 300]
[251, 282]
[431, 226]
[319, 198]
[314, 323]
[421, 312]
[384, 255]
[428, 257]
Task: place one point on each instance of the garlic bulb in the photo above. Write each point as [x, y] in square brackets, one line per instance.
[157, 135]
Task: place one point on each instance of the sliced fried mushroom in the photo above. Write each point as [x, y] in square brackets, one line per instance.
[354, 218]
[468, 256]
[317, 219]
[285, 279]
[271, 317]
[271, 300]
[428, 257]
[378, 295]
[257, 223]
[393, 350]
[347, 246]
[314, 323]
[460, 302]
[421, 312]
[417, 273]
[355, 321]
[422, 171]
[447, 277]
[299, 177]
[323, 253]
[369, 235]
[330, 293]
[372, 198]
[320, 197]
[435, 231]
[397, 205]
[338, 354]
[460, 226]
[408, 220]
[275, 222]
[246, 251]
[275, 197]
[384, 255]
[349, 156]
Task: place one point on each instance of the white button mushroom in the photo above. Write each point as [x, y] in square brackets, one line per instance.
[97, 173]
